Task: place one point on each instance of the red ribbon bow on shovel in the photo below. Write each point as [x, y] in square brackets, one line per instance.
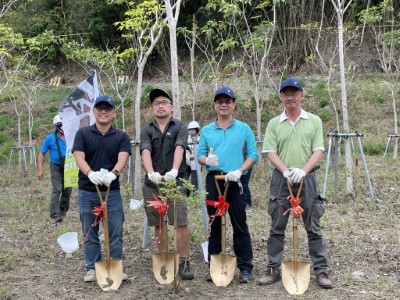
[296, 209]
[160, 205]
[221, 205]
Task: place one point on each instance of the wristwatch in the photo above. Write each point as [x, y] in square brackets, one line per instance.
[116, 172]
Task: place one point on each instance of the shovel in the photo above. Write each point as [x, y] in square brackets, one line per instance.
[165, 263]
[108, 270]
[295, 274]
[222, 266]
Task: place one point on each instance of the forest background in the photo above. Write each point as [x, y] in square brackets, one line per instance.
[346, 53]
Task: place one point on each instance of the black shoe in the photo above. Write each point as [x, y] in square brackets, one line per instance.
[208, 277]
[184, 270]
[245, 276]
[56, 221]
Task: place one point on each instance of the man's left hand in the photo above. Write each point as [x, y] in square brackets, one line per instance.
[296, 175]
[171, 175]
[108, 178]
[233, 175]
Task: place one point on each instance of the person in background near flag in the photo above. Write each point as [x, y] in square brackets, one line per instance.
[162, 146]
[228, 147]
[60, 196]
[101, 153]
[294, 144]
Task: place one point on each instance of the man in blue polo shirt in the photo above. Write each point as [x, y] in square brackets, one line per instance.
[228, 146]
[101, 147]
[60, 195]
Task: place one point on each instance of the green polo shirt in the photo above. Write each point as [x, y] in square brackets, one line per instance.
[294, 143]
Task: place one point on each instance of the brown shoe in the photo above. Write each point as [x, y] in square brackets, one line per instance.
[324, 281]
[272, 276]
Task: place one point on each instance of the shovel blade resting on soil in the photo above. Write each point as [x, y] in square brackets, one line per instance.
[296, 276]
[163, 267]
[222, 268]
[109, 276]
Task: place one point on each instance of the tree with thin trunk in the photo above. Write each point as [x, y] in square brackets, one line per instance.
[143, 28]
[380, 20]
[172, 17]
[340, 8]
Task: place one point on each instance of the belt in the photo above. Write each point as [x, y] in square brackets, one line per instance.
[217, 173]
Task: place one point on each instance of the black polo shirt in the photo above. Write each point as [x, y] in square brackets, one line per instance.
[162, 145]
[101, 151]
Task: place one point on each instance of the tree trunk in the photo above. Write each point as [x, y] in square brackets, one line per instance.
[347, 149]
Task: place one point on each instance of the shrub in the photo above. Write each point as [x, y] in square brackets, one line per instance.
[372, 148]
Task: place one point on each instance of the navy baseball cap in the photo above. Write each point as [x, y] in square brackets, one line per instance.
[104, 99]
[293, 82]
[157, 93]
[224, 90]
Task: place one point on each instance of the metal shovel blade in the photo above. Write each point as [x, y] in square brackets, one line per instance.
[296, 276]
[163, 267]
[109, 274]
[222, 268]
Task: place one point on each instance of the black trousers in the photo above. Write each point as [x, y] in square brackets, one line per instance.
[237, 213]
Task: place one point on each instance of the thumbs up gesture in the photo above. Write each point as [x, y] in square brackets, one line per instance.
[211, 159]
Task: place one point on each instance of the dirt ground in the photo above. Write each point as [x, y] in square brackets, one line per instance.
[363, 247]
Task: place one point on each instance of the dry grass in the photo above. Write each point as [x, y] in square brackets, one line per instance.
[366, 240]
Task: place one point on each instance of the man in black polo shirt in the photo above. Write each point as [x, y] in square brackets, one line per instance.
[162, 146]
[101, 147]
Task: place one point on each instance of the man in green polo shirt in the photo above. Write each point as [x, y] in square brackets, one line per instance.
[294, 144]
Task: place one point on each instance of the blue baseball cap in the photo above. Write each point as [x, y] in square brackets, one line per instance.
[293, 82]
[105, 99]
[224, 90]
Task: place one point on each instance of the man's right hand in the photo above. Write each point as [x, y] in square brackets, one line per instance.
[155, 177]
[211, 159]
[287, 174]
[95, 177]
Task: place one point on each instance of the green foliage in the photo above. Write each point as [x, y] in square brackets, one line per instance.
[373, 148]
[325, 115]
[6, 122]
[5, 292]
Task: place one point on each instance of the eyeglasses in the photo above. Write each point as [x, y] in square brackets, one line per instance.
[104, 108]
[290, 94]
[222, 102]
[161, 103]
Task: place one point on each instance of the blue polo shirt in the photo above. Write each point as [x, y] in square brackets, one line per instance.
[101, 151]
[232, 145]
[49, 144]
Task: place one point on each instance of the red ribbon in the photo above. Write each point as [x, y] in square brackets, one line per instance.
[162, 208]
[160, 205]
[296, 208]
[221, 205]
[99, 211]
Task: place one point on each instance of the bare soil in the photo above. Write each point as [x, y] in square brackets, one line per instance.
[362, 236]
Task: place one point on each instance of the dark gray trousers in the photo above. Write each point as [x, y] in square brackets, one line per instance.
[314, 209]
[59, 200]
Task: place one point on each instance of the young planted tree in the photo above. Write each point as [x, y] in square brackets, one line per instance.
[254, 33]
[197, 69]
[172, 17]
[143, 27]
[381, 20]
[340, 8]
